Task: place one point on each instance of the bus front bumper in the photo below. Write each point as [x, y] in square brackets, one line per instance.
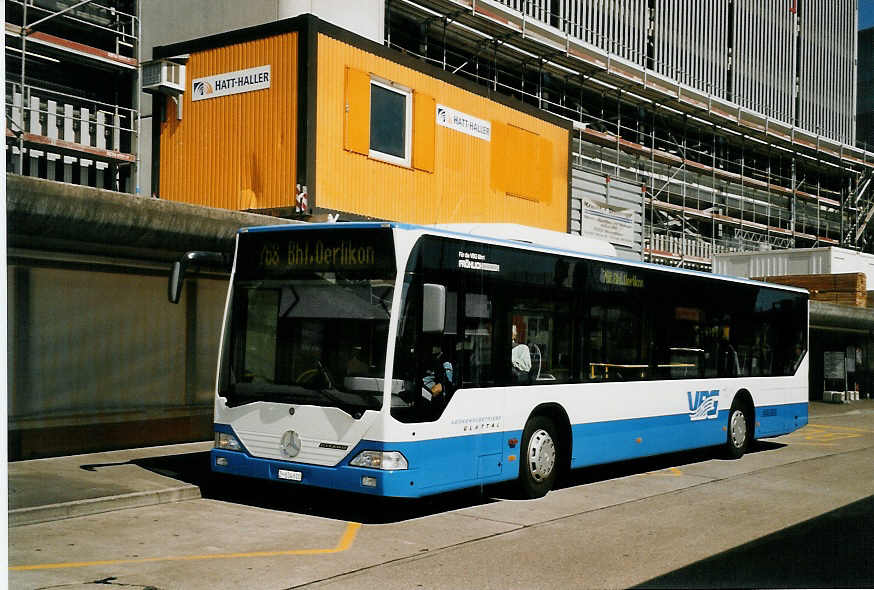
[342, 477]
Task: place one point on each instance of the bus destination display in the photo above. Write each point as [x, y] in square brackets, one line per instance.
[289, 253]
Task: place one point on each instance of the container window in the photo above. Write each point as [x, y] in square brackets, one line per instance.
[390, 122]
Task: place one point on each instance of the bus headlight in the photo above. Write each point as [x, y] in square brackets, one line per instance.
[228, 442]
[385, 460]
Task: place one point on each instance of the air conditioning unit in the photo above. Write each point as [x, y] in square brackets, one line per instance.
[166, 77]
[162, 76]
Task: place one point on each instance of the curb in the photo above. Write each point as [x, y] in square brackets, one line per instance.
[63, 510]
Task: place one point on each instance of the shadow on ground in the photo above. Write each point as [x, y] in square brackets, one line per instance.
[193, 468]
[835, 550]
[610, 471]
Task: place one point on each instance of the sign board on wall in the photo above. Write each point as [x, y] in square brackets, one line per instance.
[604, 223]
[833, 364]
[229, 83]
[479, 128]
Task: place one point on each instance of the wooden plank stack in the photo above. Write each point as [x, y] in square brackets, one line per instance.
[843, 289]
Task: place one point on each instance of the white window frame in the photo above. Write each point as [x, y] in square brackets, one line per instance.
[406, 161]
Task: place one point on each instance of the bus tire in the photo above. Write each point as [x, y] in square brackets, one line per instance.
[740, 431]
[539, 457]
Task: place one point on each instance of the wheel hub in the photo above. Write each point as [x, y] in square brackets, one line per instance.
[738, 429]
[541, 455]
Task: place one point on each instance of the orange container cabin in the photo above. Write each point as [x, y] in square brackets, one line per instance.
[300, 118]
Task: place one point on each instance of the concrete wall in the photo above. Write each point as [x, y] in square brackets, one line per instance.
[362, 17]
[97, 357]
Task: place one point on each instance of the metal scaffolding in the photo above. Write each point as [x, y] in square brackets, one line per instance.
[718, 175]
[71, 91]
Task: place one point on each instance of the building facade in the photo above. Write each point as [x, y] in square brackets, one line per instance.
[72, 91]
[687, 139]
[739, 132]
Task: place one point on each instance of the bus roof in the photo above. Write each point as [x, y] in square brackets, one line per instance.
[463, 230]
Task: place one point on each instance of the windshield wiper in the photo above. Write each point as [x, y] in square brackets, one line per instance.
[327, 375]
[328, 394]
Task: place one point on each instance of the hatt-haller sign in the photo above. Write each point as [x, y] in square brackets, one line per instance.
[231, 83]
[473, 126]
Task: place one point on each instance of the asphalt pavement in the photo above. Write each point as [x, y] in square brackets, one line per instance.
[51, 489]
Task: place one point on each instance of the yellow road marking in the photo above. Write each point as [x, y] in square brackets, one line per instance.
[825, 432]
[832, 426]
[345, 542]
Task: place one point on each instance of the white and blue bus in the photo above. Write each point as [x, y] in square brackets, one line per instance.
[400, 360]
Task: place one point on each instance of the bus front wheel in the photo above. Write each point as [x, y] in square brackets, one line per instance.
[539, 457]
[739, 431]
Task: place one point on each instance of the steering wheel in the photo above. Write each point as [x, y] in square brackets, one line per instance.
[307, 377]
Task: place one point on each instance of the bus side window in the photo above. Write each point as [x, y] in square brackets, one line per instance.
[540, 341]
[478, 343]
[594, 362]
[616, 347]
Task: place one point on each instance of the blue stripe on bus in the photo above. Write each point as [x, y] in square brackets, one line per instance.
[618, 440]
[446, 464]
[605, 442]
[782, 419]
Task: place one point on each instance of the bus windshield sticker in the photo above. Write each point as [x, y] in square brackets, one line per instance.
[704, 405]
[476, 261]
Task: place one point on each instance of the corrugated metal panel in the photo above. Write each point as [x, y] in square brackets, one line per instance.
[685, 50]
[460, 189]
[238, 151]
[614, 193]
[661, 36]
[827, 78]
[691, 46]
[615, 26]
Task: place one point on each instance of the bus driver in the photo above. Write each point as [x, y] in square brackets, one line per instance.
[438, 384]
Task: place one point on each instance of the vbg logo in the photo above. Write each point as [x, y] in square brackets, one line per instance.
[703, 406]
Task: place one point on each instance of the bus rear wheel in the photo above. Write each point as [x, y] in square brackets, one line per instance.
[739, 431]
[540, 457]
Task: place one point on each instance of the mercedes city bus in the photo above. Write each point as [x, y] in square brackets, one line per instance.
[401, 360]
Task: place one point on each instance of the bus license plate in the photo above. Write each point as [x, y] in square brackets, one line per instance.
[290, 475]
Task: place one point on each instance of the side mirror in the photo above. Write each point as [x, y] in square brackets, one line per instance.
[433, 308]
[180, 267]
[177, 276]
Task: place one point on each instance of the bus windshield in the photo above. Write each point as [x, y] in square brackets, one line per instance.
[308, 334]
